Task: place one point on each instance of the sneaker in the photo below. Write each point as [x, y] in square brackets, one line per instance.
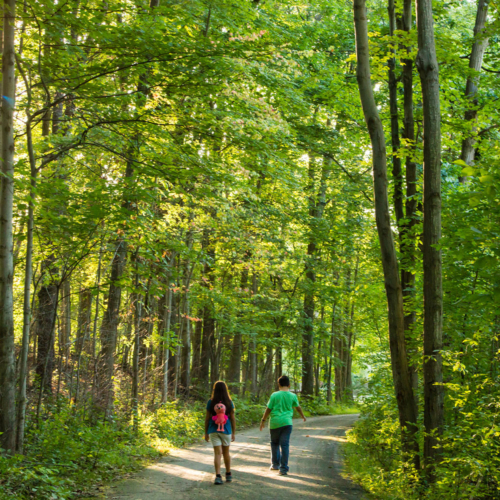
[229, 477]
[283, 473]
[274, 468]
[218, 480]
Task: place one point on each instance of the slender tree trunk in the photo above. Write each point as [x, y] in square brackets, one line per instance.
[351, 336]
[49, 290]
[208, 310]
[166, 323]
[234, 371]
[396, 143]
[66, 319]
[278, 357]
[84, 320]
[198, 331]
[252, 344]
[28, 278]
[96, 318]
[407, 237]
[185, 379]
[46, 316]
[433, 291]
[111, 319]
[475, 63]
[206, 343]
[339, 351]
[172, 362]
[317, 202]
[108, 331]
[330, 361]
[28, 275]
[399, 361]
[135, 359]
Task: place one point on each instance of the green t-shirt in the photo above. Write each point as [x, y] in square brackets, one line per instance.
[281, 404]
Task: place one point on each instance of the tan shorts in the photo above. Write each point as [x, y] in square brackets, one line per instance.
[219, 439]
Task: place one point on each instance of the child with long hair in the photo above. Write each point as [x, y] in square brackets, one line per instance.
[221, 440]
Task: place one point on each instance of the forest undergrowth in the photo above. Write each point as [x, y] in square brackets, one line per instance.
[72, 454]
[470, 464]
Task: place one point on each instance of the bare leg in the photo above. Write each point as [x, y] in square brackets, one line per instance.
[227, 458]
[217, 458]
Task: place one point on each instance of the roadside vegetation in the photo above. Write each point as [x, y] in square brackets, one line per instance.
[71, 454]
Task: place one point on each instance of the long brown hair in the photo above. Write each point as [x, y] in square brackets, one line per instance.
[220, 394]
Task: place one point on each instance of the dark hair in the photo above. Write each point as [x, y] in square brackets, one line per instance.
[284, 381]
[220, 394]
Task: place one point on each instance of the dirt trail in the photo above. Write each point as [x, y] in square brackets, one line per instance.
[315, 469]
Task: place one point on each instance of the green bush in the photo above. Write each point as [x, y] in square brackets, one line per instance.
[470, 466]
[67, 452]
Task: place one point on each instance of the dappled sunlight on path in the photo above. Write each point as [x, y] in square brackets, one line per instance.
[315, 469]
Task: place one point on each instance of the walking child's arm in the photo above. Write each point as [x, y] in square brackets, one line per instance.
[208, 417]
[301, 413]
[264, 418]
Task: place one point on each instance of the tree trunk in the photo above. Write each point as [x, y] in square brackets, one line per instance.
[84, 321]
[475, 63]
[252, 345]
[207, 343]
[393, 102]
[350, 337]
[166, 349]
[195, 367]
[135, 356]
[278, 361]
[338, 346]
[407, 238]
[402, 383]
[7, 360]
[28, 278]
[66, 319]
[433, 292]
[45, 322]
[172, 362]
[234, 371]
[185, 379]
[330, 361]
[108, 331]
[208, 310]
[317, 202]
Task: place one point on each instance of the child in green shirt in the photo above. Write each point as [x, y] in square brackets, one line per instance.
[280, 407]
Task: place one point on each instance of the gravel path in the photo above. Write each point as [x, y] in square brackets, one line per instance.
[315, 469]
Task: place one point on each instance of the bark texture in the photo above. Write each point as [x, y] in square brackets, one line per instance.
[45, 323]
[433, 291]
[108, 330]
[7, 361]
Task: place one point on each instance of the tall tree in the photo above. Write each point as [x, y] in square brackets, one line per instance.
[316, 206]
[428, 68]
[399, 361]
[7, 361]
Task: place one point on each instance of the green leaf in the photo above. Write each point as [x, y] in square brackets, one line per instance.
[486, 178]
[470, 171]
[486, 262]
